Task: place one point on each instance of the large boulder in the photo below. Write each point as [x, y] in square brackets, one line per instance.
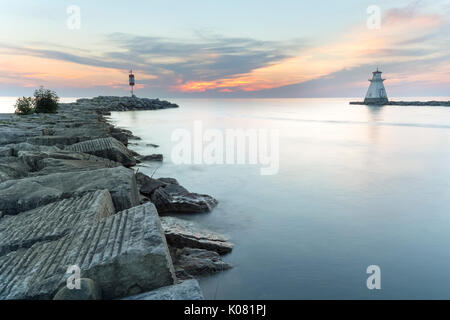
[173, 198]
[108, 148]
[136, 257]
[53, 221]
[186, 290]
[147, 185]
[192, 262]
[124, 254]
[169, 197]
[29, 193]
[181, 233]
[22, 236]
[121, 134]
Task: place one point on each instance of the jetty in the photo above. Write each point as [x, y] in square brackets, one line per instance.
[408, 103]
[70, 197]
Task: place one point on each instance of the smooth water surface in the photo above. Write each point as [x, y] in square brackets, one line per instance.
[357, 186]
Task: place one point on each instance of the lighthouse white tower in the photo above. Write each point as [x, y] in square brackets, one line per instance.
[376, 94]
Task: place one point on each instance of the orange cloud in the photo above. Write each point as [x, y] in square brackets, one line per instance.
[201, 86]
[359, 46]
[30, 71]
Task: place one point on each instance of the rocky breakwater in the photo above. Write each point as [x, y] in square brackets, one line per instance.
[70, 197]
[409, 103]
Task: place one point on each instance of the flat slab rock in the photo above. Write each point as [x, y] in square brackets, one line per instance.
[108, 148]
[53, 221]
[23, 234]
[186, 290]
[48, 140]
[29, 193]
[124, 253]
[48, 162]
[181, 233]
[17, 132]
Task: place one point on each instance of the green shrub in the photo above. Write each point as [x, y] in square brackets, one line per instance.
[24, 105]
[45, 101]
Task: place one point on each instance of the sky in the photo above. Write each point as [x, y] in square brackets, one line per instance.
[224, 49]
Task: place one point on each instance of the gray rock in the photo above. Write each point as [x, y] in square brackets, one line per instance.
[53, 221]
[181, 233]
[173, 198]
[23, 146]
[25, 234]
[121, 135]
[88, 290]
[125, 254]
[152, 157]
[108, 148]
[192, 262]
[141, 178]
[6, 152]
[29, 193]
[144, 262]
[16, 133]
[50, 140]
[169, 180]
[186, 290]
[12, 168]
[147, 185]
[47, 132]
[43, 163]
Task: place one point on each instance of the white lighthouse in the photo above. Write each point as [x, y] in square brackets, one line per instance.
[376, 94]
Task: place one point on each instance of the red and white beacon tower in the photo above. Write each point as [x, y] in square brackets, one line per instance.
[131, 80]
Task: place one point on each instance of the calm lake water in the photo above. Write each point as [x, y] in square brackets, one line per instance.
[357, 186]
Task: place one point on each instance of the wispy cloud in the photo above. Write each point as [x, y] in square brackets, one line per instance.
[407, 35]
[213, 63]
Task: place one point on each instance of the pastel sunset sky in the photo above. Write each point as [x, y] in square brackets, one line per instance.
[205, 48]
